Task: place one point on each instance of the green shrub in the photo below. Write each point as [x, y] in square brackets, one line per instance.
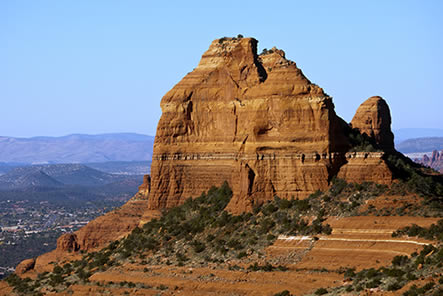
[337, 186]
[198, 246]
[321, 291]
[394, 286]
[283, 293]
[400, 260]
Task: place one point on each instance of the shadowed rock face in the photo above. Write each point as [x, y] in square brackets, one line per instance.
[373, 118]
[253, 120]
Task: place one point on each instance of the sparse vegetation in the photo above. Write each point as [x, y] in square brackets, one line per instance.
[266, 51]
[361, 142]
[404, 269]
[414, 180]
[200, 232]
[266, 267]
[284, 293]
[434, 232]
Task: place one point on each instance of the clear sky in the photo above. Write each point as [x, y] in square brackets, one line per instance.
[103, 66]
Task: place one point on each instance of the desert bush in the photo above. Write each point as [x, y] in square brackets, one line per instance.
[267, 267]
[283, 293]
[337, 186]
[321, 291]
[394, 286]
[400, 260]
[198, 246]
[433, 232]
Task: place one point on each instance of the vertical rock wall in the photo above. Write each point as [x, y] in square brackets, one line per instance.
[255, 121]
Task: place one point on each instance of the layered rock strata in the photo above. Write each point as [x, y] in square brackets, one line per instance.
[255, 121]
[365, 167]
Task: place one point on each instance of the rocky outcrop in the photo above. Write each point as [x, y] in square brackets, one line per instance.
[366, 167]
[435, 161]
[68, 242]
[373, 118]
[25, 266]
[255, 121]
[145, 188]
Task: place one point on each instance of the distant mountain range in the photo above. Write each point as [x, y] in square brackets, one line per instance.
[67, 184]
[403, 134]
[77, 148]
[420, 145]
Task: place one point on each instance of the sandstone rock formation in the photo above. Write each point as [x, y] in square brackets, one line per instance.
[253, 120]
[373, 118]
[259, 123]
[68, 242]
[365, 167]
[435, 161]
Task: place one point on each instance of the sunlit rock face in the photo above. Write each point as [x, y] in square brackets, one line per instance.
[253, 120]
[373, 118]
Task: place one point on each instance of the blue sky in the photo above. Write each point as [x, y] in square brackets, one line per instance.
[103, 66]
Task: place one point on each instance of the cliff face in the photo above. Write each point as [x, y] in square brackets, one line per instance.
[253, 120]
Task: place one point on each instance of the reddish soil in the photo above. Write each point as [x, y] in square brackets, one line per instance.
[391, 201]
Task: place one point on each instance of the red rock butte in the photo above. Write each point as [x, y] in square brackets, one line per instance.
[253, 120]
[257, 122]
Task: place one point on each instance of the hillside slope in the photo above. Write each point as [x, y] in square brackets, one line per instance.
[200, 249]
[55, 175]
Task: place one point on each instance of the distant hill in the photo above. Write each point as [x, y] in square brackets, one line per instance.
[403, 134]
[34, 178]
[77, 148]
[66, 184]
[420, 145]
[122, 167]
[56, 175]
[6, 167]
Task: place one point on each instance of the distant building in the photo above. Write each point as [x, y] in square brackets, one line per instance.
[10, 228]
